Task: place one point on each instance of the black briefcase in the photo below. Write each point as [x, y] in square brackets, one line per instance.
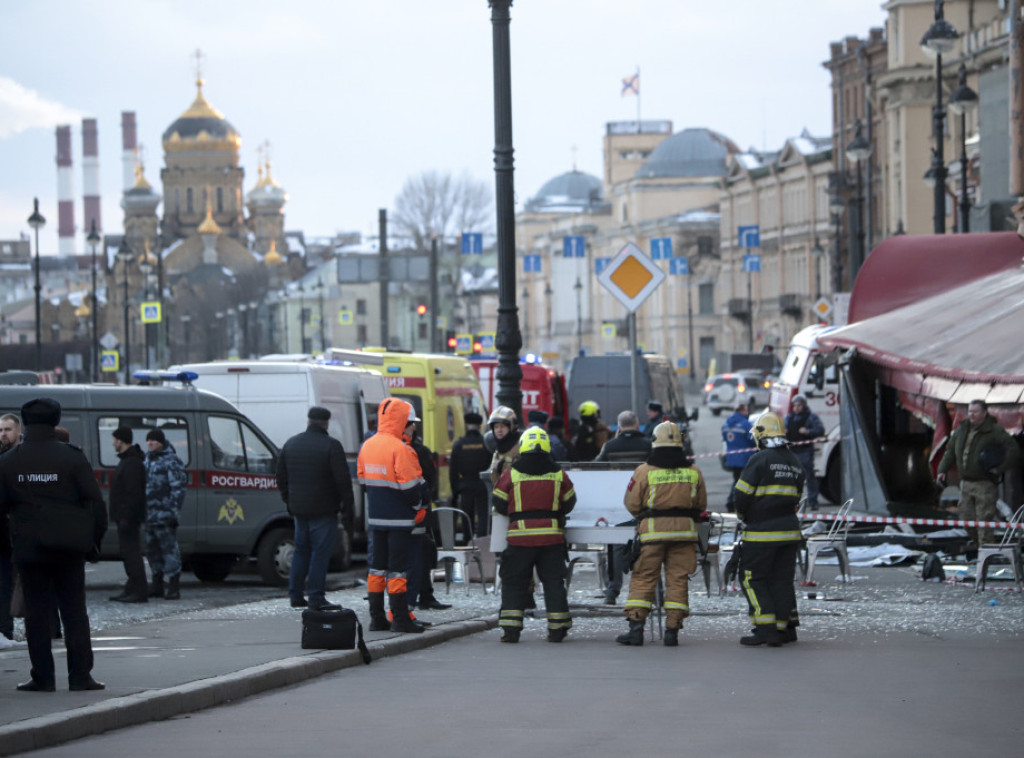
[336, 629]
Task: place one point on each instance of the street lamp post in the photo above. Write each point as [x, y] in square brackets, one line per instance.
[94, 240]
[961, 100]
[302, 318]
[37, 222]
[818, 252]
[124, 254]
[937, 41]
[836, 206]
[145, 268]
[320, 306]
[526, 316]
[185, 322]
[548, 292]
[243, 342]
[579, 315]
[859, 150]
[284, 310]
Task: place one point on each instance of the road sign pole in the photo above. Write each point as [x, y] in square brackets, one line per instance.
[750, 309]
[689, 326]
[633, 384]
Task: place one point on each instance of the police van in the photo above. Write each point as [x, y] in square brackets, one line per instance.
[232, 507]
[441, 388]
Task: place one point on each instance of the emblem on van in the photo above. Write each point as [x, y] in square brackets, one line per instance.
[231, 512]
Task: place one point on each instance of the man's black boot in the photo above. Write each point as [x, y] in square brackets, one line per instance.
[402, 621]
[671, 638]
[173, 593]
[378, 618]
[769, 637]
[157, 588]
[635, 635]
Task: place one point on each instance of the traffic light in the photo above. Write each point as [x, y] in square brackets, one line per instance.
[421, 309]
[451, 339]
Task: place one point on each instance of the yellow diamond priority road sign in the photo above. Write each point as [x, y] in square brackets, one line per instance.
[631, 276]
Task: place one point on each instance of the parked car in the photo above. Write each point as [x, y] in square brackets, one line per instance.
[723, 391]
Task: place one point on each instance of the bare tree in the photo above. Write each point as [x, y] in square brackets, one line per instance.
[435, 203]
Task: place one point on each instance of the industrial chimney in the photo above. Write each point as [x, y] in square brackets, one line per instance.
[129, 148]
[65, 193]
[91, 175]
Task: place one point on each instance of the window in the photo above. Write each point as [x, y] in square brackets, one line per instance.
[177, 200]
[361, 307]
[422, 331]
[189, 204]
[706, 298]
[362, 336]
[220, 200]
[236, 447]
[174, 428]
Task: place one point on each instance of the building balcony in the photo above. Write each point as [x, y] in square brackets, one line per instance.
[791, 304]
[739, 307]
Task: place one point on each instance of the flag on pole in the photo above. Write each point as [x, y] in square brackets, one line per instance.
[631, 85]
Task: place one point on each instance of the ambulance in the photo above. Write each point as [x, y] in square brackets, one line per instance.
[441, 388]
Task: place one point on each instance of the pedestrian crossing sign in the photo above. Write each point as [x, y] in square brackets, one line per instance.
[345, 317]
[110, 360]
[151, 312]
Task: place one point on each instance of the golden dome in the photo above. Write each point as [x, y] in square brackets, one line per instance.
[273, 258]
[201, 126]
[209, 226]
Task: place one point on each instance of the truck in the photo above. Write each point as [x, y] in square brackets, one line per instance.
[542, 386]
[805, 372]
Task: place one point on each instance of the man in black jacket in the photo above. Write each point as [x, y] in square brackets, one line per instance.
[470, 457]
[128, 511]
[41, 481]
[313, 477]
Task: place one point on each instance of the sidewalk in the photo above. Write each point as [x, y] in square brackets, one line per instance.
[174, 665]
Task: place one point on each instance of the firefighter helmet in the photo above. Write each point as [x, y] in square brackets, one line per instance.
[767, 426]
[502, 415]
[589, 408]
[667, 434]
[533, 440]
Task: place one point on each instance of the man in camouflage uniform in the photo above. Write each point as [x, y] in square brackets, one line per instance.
[166, 482]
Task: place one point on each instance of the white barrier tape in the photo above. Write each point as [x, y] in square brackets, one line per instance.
[754, 449]
[899, 520]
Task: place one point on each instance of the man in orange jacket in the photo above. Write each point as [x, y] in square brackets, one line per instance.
[397, 499]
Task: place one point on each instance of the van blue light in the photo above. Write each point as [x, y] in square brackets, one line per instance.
[185, 377]
[394, 369]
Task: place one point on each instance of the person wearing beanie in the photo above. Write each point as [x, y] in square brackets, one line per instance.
[561, 447]
[166, 483]
[536, 418]
[469, 459]
[128, 511]
[41, 481]
[802, 427]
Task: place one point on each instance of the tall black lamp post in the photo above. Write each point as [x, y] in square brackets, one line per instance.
[857, 151]
[818, 252]
[94, 240]
[145, 268]
[509, 340]
[937, 41]
[124, 254]
[320, 307]
[37, 222]
[836, 206]
[961, 100]
[579, 315]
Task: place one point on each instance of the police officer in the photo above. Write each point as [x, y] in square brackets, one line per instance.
[536, 495]
[39, 481]
[666, 495]
[166, 482]
[468, 460]
[767, 496]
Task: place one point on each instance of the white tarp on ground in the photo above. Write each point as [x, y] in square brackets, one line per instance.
[876, 555]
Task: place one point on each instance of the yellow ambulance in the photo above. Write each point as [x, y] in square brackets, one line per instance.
[440, 387]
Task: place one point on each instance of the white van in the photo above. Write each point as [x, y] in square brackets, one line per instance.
[277, 396]
[804, 373]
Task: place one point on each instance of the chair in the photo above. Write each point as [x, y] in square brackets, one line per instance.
[708, 556]
[1009, 547]
[834, 539]
[451, 521]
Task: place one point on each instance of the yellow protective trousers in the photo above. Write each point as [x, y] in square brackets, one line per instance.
[679, 560]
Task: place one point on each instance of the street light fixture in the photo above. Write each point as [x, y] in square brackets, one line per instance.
[124, 254]
[37, 222]
[859, 150]
[939, 40]
[94, 240]
[320, 303]
[526, 315]
[961, 100]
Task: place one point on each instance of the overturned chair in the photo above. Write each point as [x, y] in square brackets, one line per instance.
[834, 539]
[1009, 547]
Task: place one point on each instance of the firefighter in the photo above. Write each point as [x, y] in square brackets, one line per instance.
[502, 439]
[536, 495]
[767, 497]
[397, 500]
[593, 432]
[667, 496]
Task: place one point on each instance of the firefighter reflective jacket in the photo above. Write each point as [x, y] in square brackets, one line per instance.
[666, 502]
[390, 471]
[768, 495]
[536, 495]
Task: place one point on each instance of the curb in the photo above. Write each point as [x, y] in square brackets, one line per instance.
[157, 705]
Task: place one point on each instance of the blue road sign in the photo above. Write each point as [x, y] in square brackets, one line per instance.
[750, 236]
[679, 265]
[109, 360]
[752, 263]
[661, 248]
[472, 243]
[574, 246]
[531, 263]
[463, 344]
[601, 264]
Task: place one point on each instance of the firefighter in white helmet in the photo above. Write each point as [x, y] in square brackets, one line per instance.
[502, 439]
[666, 495]
[767, 496]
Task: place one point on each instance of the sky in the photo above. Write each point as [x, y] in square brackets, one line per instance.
[355, 96]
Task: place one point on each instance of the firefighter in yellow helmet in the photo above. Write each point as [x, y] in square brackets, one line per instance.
[502, 439]
[593, 432]
[536, 495]
[666, 495]
[767, 495]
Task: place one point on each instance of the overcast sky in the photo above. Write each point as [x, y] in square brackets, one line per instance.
[354, 96]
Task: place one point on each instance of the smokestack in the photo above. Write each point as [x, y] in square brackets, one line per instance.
[91, 175]
[129, 147]
[65, 193]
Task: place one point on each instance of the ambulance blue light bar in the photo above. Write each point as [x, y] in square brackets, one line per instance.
[185, 377]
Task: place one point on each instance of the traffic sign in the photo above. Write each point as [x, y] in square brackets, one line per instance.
[822, 307]
[531, 263]
[679, 265]
[600, 264]
[486, 340]
[661, 248]
[110, 360]
[472, 243]
[574, 246]
[752, 263]
[463, 344]
[344, 317]
[150, 311]
[631, 277]
[750, 236]
[109, 341]
[609, 329]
